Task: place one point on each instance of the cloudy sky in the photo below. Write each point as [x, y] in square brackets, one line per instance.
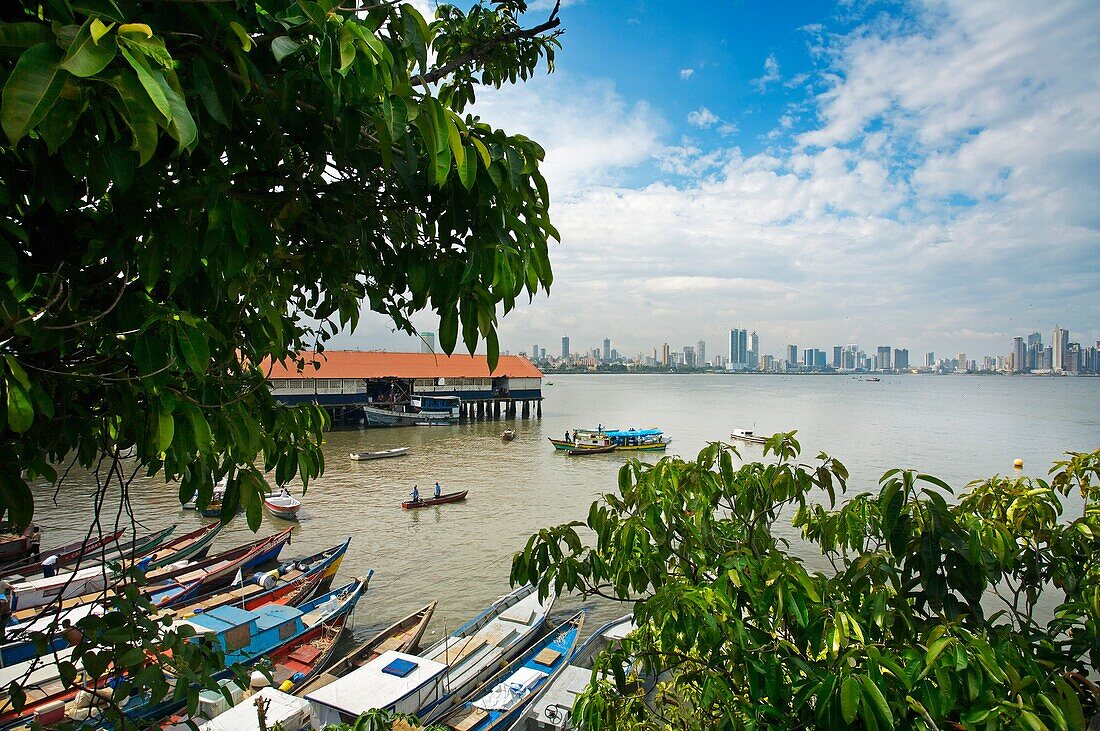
[925, 175]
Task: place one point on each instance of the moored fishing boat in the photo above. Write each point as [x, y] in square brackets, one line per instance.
[63, 555]
[195, 544]
[746, 435]
[508, 435]
[244, 637]
[585, 451]
[622, 440]
[432, 682]
[380, 454]
[15, 544]
[283, 505]
[551, 706]
[450, 497]
[503, 698]
[401, 636]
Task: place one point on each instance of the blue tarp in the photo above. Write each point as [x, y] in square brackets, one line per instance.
[634, 433]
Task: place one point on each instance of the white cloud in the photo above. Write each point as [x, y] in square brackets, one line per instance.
[943, 197]
[702, 118]
[771, 74]
[686, 73]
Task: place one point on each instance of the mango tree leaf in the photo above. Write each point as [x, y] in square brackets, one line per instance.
[141, 28]
[149, 81]
[87, 56]
[181, 124]
[283, 46]
[166, 428]
[139, 113]
[246, 40]
[15, 496]
[31, 90]
[849, 699]
[20, 410]
[208, 90]
[24, 35]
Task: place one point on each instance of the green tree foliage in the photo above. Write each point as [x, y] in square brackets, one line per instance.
[188, 190]
[191, 190]
[931, 615]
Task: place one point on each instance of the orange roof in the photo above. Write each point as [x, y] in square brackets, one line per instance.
[375, 364]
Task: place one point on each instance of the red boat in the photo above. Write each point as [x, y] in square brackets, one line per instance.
[65, 555]
[450, 497]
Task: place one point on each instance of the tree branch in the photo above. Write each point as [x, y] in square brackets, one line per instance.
[481, 51]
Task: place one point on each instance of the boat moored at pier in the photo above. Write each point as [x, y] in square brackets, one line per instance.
[746, 435]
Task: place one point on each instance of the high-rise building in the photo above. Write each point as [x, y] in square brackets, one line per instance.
[565, 348]
[665, 355]
[739, 359]
[754, 350]
[882, 355]
[535, 352]
[836, 356]
[821, 359]
[1060, 341]
[607, 348]
[689, 356]
[792, 355]
[427, 342]
[930, 359]
[1019, 355]
[701, 353]
[901, 358]
[542, 353]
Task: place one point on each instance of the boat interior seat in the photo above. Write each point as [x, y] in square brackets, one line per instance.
[461, 650]
[519, 613]
[305, 654]
[468, 720]
[391, 643]
[501, 633]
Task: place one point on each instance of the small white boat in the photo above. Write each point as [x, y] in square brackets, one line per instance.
[283, 505]
[382, 454]
[746, 435]
[432, 423]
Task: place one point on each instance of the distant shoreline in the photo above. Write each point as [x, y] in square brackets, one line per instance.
[857, 376]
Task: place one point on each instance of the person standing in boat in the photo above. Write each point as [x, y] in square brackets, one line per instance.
[438, 492]
[415, 494]
[36, 540]
[49, 567]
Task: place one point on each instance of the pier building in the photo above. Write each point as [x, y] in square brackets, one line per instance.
[351, 383]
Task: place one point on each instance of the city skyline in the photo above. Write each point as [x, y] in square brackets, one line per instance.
[743, 352]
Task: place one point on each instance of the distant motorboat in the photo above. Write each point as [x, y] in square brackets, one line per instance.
[508, 435]
[380, 454]
[746, 435]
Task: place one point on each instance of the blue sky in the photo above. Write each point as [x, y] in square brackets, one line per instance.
[923, 175]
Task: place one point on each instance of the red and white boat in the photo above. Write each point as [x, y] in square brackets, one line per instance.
[283, 505]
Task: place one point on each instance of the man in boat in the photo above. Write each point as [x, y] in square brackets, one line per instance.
[415, 494]
[49, 566]
[71, 632]
[36, 540]
[438, 492]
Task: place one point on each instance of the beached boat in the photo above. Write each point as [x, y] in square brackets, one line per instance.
[628, 440]
[402, 636]
[551, 707]
[15, 544]
[283, 505]
[380, 454]
[450, 497]
[169, 588]
[432, 682]
[746, 435]
[195, 544]
[503, 698]
[63, 555]
[244, 637]
[508, 435]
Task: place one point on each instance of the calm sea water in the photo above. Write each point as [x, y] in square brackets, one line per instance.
[958, 428]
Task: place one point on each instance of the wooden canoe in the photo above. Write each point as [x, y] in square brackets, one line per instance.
[450, 497]
[403, 636]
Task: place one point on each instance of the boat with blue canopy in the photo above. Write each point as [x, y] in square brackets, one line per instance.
[618, 440]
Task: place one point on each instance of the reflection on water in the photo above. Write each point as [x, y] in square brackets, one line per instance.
[958, 428]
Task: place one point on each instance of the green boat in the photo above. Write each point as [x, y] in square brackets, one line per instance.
[620, 440]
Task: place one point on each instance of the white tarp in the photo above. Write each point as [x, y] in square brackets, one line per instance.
[510, 690]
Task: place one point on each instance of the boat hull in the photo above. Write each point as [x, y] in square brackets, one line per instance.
[385, 417]
[567, 446]
[452, 497]
[384, 454]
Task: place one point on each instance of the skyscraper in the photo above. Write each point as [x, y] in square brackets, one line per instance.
[883, 355]
[836, 357]
[607, 348]
[754, 349]
[535, 352]
[930, 359]
[1060, 341]
[427, 342]
[1019, 355]
[565, 348]
[689, 356]
[701, 353]
[792, 355]
[901, 358]
[738, 350]
[664, 355]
